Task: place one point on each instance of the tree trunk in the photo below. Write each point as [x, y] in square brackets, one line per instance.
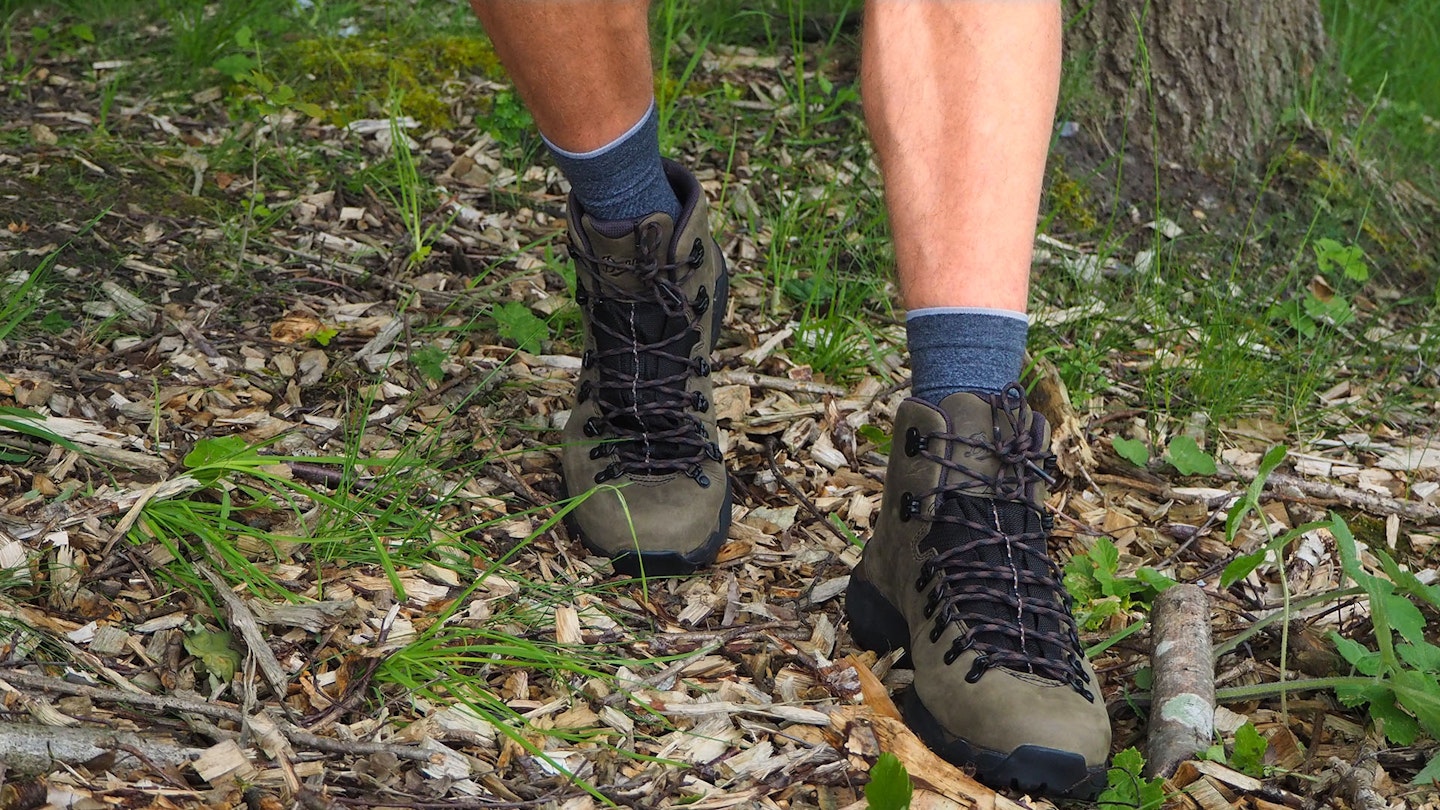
[1215, 75]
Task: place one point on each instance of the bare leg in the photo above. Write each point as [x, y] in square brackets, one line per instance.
[960, 100]
[582, 67]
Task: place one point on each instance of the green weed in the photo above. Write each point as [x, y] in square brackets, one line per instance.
[1127, 788]
[1094, 582]
[889, 787]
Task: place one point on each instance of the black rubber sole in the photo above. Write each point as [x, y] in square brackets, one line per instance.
[877, 625]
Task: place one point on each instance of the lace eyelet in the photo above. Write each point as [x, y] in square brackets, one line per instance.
[613, 471]
[909, 507]
[702, 301]
[584, 392]
[702, 366]
[699, 402]
[582, 296]
[592, 427]
[599, 451]
[977, 669]
[587, 359]
[697, 253]
[936, 632]
[699, 475]
[914, 442]
[951, 655]
[713, 452]
[926, 573]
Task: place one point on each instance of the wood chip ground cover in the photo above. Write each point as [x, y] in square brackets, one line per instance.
[278, 510]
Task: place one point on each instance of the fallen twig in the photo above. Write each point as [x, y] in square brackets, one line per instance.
[297, 736]
[1182, 720]
[1290, 487]
[242, 619]
[785, 384]
[31, 748]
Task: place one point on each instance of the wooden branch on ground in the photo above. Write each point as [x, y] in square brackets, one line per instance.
[1280, 485]
[242, 619]
[784, 384]
[1357, 781]
[298, 737]
[99, 442]
[31, 748]
[1290, 487]
[1182, 715]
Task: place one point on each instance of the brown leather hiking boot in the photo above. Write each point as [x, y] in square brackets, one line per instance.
[958, 573]
[641, 439]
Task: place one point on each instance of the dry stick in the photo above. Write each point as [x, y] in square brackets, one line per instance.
[1182, 717]
[1289, 487]
[1357, 782]
[771, 448]
[243, 620]
[30, 748]
[784, 384]
[297, 736]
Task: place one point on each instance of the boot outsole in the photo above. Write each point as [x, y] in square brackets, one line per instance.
[876, 625]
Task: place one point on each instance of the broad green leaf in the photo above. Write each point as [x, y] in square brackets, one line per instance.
[1350, 555]
[1331, 255]
[1400, 728]
[1404, 617]
[1107, 562]
[1420, 694]
[517, 323]
[430, 361]
[215, 450]
[1249, 756]
[1366, 661]
[214, 651]
[1187, 457]
[1429, 774]
[1241, 566]
[1406, 581]
[889, 787]
[1132, 450]
[1127, 788]
[1423, 656]
[1154, 580]
[236, 66]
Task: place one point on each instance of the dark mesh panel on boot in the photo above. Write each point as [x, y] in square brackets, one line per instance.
[998, 571]
[626, 327]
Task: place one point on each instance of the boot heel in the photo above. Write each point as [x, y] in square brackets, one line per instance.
[875, 624]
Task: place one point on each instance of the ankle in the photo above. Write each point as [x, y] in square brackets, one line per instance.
[624, 179]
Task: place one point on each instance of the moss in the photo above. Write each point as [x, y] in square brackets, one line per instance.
[355, 77]
[1070, 201]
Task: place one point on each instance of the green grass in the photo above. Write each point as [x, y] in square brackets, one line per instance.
[1223, 323]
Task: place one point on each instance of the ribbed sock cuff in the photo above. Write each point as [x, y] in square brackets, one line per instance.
[624, 179]
[964, 349]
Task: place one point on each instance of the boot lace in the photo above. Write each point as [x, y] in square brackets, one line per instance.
[644, 339]
[991, 572]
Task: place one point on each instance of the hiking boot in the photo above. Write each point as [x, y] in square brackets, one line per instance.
[958, 573]
[641, 438]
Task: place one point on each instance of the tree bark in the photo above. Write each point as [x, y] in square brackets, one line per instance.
[1182, 711]
[1215, 75]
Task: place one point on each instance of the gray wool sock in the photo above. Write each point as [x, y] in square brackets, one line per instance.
[622, 180]
[964, 349]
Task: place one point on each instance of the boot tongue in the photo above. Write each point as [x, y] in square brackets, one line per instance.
[974, 418]
[620, 251]
[623, 242]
